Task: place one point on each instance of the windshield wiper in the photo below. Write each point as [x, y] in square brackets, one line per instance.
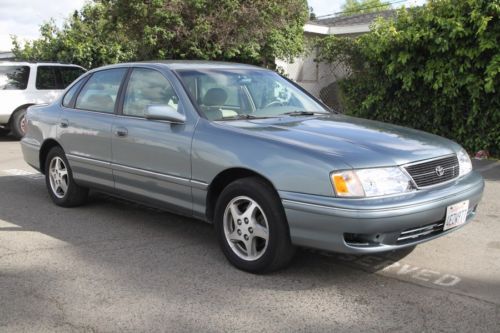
[303, 113]
[240, 116]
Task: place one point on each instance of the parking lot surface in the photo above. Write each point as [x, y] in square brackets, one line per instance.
[115, 266]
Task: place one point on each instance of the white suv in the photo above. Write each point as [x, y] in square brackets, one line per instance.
[23, 84]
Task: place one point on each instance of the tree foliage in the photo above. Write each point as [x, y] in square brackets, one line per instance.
[435, 68]
[110, 31]
[351, 7]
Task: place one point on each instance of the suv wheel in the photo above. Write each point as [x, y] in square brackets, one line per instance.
[18, 123]
[59, 180]
[251, 226]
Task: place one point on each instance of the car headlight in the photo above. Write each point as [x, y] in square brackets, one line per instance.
[464, 163]
[371, 182]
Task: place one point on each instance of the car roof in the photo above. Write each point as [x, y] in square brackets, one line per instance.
[185, 64]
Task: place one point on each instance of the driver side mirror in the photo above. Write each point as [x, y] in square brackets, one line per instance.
[165, 113]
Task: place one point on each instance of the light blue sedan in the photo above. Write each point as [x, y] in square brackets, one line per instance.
[251, 152]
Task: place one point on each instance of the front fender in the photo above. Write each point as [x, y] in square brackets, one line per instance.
[217, 147]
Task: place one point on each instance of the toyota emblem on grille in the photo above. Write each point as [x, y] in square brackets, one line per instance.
[439, 170]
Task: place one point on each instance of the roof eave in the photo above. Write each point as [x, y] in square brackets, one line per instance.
[336, 30]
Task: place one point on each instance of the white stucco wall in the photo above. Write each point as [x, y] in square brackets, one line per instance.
[311, 75]
[314, 76]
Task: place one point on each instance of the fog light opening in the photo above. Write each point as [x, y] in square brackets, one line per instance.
[362, 239]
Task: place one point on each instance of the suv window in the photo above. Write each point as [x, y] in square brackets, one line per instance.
[69, 74]
[46, 78]
[147, 87]
[101, 90]
[14, 77]
[56, 77]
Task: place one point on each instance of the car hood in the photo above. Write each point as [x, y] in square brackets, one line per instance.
[357, 142]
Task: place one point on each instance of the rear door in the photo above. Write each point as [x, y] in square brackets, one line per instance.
[85, 126]
[151, 159]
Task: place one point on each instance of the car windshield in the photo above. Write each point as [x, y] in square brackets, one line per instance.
[228, 94]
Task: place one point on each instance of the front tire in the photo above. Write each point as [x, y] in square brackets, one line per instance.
[59, 180]
[251, 226]
[18, 124]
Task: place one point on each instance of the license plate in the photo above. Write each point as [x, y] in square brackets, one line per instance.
[456, 215]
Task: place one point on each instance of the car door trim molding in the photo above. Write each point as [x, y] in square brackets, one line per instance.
[147, 173]
[161, 176]
[199, 184]
[141, 172]
[93, 161]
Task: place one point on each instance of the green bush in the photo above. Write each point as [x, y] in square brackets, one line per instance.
[435, 68]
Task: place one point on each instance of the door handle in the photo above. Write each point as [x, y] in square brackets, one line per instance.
[121, 132]
[64, 123]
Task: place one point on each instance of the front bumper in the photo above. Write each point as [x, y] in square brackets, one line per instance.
[376, 224]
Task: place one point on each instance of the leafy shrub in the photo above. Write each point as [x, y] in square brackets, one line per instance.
[435, 68]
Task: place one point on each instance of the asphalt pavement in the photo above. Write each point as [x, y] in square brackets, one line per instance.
[115, 266]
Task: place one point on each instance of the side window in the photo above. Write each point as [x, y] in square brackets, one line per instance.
[14, 77]
[101, 90]
[46, 78]
[147, 87]
[69, 95]
[69, 74]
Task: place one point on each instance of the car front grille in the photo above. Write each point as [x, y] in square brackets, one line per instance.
[414, 234]
[433, 172]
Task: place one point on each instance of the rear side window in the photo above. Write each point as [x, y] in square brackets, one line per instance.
[69, 95]
[101, 90]
[46, 78]
[14, 77]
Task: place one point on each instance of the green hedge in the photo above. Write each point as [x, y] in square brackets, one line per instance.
[435, 68]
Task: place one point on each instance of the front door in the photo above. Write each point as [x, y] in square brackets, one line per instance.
[151, 159]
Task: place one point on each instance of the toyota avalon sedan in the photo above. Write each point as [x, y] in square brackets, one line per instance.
[251, 152]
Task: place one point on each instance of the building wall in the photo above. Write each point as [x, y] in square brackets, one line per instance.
[6, 55]
[317, 78]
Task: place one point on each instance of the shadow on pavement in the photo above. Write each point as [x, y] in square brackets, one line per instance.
[113, 263]
[106, 218]
[7, 138]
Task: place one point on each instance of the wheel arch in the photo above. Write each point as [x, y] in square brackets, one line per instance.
[225, 178]
[44, 150]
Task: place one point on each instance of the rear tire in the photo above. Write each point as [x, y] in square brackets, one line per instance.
[18, 124]
[59, 180]
[251, 226]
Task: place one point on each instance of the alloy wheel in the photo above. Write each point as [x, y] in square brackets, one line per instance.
[245, 228]
[58, 176]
